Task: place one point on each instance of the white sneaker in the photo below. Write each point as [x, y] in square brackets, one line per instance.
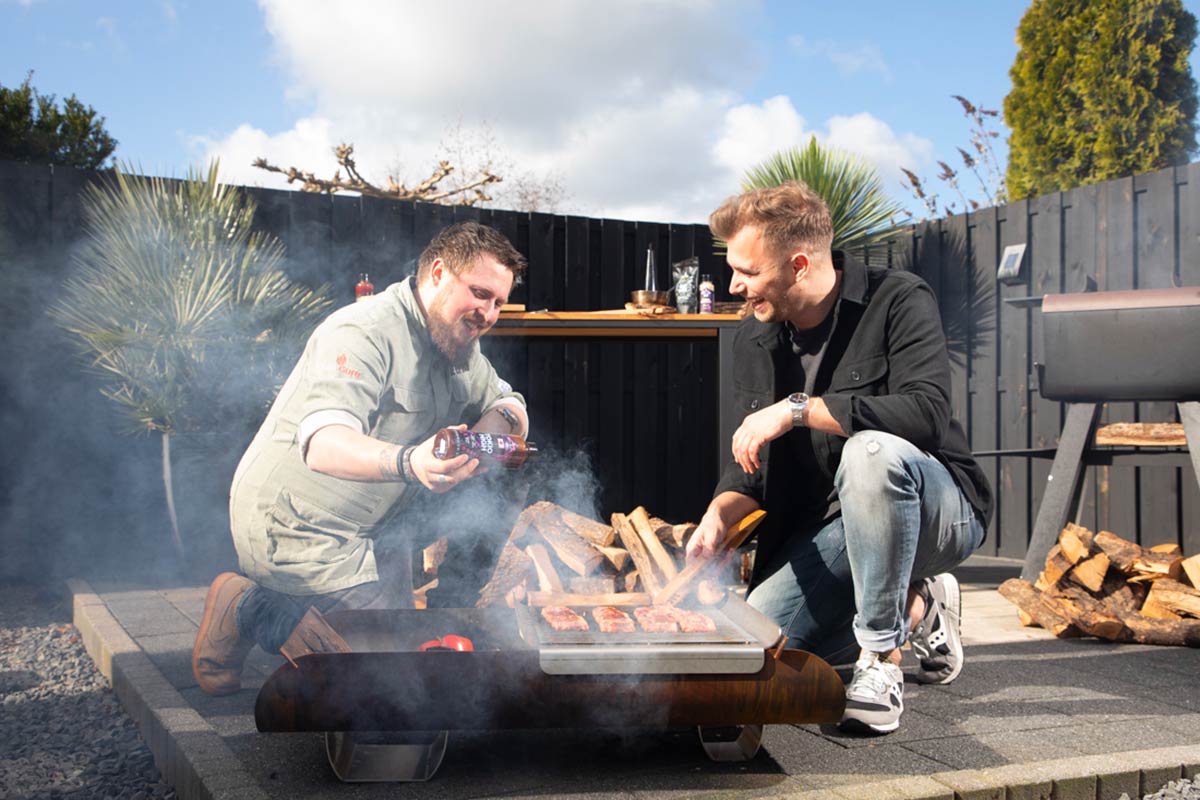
[875, 696]
[936, 640]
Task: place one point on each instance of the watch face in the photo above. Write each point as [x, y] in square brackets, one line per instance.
[798, 398]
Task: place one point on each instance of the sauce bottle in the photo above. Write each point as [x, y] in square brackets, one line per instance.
[511, 451]
[364, 288]
[707, 292]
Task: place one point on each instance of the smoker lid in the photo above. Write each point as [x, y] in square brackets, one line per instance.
[1108, 301]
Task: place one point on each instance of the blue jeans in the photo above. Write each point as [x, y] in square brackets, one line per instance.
[268, 617]
[903, 519]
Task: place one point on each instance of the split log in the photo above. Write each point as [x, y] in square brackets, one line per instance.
[547, 575]
[512, 568]
[421, 595]
[1167, 550]
[1090, 572]
[1142, 434]
[1121, 552]
[579, 556]
[1087, 614]
[540, 599]
[662, 559]
[1057, 565]
[1159, 565]
[1038, 606]
[618, 557]
[679, 586]
[1121, 598]
[673, 536]
[598, 584]
[631, 580]
[1179, 597]
[433, 556]
[1191, 568]
[1085, 535]
[1156, 610]
[1072, 546]
[596, 532]
[637, 552]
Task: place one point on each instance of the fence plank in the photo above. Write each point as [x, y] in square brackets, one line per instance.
[1013, 390]
[1046, 271]
[1154, 220]
[957, 281]
[1079, 232]
[1188, 216]
[1117, 499]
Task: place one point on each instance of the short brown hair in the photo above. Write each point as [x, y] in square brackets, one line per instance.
[460, 246]
[789, 215]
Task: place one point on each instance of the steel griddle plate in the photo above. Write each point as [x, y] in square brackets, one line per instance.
[737, 646]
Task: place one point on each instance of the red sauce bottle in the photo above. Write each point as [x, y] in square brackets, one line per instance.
[364, 288]
[511, 451]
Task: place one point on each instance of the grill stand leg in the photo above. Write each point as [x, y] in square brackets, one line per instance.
[721, 747]
[391, 756]
[1062, 485]
[1189, 414]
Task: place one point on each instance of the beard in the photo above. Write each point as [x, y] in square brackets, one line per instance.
[447, 335]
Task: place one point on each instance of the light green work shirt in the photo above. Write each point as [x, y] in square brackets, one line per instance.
[373, 365]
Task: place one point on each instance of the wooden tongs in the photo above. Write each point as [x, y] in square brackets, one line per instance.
[681, 585]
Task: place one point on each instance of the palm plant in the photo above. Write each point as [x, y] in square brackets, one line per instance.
[862, 213]
[181, 308]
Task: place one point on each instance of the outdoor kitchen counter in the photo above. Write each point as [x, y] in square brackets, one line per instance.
[622, 323]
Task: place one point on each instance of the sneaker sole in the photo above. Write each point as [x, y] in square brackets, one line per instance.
[851, 725]
[954, 607]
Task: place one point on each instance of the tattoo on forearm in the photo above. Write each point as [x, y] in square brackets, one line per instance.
[509, 417]
[389, 470]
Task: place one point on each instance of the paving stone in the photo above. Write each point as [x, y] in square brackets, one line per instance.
[148, 614]
[171, 654]
[920, 788]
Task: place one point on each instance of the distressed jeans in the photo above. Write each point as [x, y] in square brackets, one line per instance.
[845, 585]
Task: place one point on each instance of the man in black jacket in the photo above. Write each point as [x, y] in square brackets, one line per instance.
[849, 444]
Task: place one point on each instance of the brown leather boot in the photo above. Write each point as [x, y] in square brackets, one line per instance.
[220, 651]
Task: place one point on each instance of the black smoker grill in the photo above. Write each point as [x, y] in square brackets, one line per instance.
[386, 708]
[1141, 345]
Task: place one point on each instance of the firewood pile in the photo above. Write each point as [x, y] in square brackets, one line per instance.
[1105, 586]
[556, 557]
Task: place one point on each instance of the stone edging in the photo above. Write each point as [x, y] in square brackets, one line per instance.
[194, 759]
[189, 752]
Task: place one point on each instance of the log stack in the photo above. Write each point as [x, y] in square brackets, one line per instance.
[1105, 586]
[556, 557]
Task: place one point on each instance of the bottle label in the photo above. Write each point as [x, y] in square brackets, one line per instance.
[707, 291]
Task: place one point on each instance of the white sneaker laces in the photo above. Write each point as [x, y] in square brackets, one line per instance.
[869, 673]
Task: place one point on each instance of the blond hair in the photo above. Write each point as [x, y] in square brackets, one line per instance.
[789, 215]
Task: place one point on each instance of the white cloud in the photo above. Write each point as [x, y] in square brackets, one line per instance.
[632, 104]
[849, 59]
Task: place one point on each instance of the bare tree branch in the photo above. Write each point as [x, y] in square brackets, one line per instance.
[427, 190]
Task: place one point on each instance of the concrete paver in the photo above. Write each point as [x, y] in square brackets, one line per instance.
[1030, 716]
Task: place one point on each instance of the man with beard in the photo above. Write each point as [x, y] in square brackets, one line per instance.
[347, 447]
[849, 443]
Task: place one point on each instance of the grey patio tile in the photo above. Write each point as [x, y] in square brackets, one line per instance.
[148, 614]
[172, 655]
[959, 753]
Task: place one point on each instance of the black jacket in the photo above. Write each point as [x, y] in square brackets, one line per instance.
[885, 368]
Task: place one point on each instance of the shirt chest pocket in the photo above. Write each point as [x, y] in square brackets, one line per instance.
[407, 415]
[864, 377]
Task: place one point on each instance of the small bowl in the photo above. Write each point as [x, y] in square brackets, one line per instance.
[644, 297]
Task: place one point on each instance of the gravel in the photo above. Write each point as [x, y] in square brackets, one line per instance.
[63, 734]
[1182, 789]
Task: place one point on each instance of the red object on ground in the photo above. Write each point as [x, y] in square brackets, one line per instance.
[448, 642]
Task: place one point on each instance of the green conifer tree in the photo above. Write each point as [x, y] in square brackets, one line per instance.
[1101, 89]
[34, 129]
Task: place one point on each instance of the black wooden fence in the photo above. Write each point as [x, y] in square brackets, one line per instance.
[642, 411]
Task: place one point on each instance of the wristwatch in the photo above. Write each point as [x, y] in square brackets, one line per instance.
[798, 402]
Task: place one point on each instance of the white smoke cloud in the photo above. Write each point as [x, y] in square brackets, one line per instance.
[632, 106]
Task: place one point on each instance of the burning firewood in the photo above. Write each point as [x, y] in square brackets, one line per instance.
[558, 557]
[1105, 586]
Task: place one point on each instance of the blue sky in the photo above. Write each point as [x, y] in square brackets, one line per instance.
[644, 110]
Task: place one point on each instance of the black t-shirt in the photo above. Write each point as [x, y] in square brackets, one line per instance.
[813, 498]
